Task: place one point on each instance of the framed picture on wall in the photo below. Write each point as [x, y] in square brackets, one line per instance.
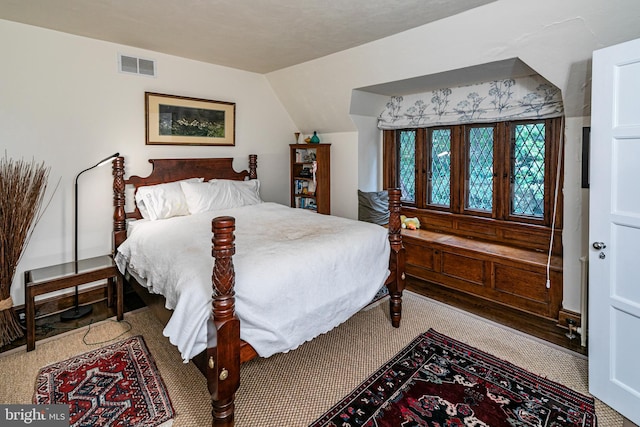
[179, 120]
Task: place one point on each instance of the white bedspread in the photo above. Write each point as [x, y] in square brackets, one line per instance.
[298, 274]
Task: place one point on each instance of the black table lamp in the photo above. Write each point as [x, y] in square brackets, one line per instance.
[76, 312]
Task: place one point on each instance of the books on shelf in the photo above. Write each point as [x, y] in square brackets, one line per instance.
[305, 155]
[304, 186]
[306, 203]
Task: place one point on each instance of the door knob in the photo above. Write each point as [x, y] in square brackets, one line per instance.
[599, 245]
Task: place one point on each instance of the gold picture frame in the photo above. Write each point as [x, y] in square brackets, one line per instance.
[180, 120]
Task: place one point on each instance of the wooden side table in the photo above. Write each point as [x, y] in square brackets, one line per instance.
[57, 277]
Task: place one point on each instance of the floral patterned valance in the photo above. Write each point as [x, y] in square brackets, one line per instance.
[530, 97]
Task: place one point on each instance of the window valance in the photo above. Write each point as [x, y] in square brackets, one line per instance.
[530, 97]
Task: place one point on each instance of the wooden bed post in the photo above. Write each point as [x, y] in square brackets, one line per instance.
[223, 360]
[397, 258]
[119, 216]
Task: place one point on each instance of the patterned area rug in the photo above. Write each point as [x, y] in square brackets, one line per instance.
[116, 385]
[438, 381]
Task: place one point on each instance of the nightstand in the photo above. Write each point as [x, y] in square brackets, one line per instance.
[57, 277]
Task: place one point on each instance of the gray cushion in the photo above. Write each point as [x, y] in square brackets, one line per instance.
[373, 206]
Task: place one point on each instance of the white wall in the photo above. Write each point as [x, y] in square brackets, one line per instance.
[369, 153]
[575, 236]
[364, 110]
[344, 172]
[554, 38]
[62, 101]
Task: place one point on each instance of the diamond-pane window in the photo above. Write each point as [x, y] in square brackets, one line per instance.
[527, 188]
[440, 173]
[479, 194]
[408, 165]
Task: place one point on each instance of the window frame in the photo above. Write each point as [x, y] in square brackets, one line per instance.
[504, 140]
[425, 148]
[466, 171]
[550, 164]
[397, 170]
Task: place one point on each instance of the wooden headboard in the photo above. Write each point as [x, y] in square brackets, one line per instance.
[169, 170]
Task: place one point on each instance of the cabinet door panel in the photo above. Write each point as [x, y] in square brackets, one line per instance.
[462, 267]
[523, 283]
[418, 255]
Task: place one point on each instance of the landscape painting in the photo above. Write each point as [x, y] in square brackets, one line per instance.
[179, 120]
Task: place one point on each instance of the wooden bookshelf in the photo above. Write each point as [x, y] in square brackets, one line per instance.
[307, 192]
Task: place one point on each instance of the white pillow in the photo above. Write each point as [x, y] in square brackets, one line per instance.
[246, 192]
[163, 200]
[220, 194]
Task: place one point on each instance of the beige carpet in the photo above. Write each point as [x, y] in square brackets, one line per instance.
[294, 388]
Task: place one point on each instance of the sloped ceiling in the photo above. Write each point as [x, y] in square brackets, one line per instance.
[482, 44]
[253, 35]
[509, 68]
[316, 53]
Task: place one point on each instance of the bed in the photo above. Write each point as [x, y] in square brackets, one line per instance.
[216, 311]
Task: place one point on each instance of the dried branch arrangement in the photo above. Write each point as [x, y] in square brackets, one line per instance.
[22, 188]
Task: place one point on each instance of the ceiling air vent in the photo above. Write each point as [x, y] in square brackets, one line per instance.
[133, 65]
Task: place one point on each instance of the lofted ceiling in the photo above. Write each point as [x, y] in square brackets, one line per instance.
[254, 35]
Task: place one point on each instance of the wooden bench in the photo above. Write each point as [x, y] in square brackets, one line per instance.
[511, 276]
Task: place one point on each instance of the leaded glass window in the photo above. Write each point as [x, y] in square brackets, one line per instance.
[407, 158]
[527, 182]
[440, 170]
[479, 183]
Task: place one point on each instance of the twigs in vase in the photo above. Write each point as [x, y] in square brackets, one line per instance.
[22, 188]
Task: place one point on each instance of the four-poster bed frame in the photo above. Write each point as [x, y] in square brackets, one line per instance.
[221, 363]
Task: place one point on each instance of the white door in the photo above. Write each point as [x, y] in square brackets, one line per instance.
[614, 229]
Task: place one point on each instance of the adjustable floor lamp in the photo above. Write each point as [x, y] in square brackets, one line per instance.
[76, 312]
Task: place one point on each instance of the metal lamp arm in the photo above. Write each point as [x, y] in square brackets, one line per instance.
[77, 312]
[100, 163]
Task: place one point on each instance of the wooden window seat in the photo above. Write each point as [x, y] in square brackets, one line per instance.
[510, 276]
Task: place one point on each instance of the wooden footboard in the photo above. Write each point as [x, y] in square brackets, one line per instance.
[221, 363]
[223, 375]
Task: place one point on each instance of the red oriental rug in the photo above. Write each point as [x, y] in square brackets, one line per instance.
[116, 385]
[438, 381]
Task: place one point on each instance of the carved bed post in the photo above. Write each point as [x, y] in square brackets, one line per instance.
[223, 360]
[119, 216]
[397, 259]
[253, 166]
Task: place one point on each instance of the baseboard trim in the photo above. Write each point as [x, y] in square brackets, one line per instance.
[540, 327]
